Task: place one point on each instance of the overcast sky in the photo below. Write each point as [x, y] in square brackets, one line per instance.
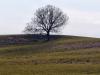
[84, 15]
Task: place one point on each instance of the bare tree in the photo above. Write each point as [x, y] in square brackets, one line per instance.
[47, 19]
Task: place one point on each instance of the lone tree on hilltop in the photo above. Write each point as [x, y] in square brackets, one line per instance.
[47, 19]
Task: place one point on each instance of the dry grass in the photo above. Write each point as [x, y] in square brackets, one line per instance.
[51, 58]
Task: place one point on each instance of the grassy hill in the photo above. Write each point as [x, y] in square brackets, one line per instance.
[62, 55]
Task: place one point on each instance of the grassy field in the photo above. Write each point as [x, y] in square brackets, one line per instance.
[63, 56]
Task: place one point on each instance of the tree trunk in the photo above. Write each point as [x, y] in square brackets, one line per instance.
[48, 36]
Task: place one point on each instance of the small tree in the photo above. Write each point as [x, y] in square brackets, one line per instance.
[47, 19]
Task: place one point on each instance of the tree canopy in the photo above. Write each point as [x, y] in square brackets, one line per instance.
[47, 19]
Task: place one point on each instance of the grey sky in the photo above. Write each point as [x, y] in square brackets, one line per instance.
[84, 15]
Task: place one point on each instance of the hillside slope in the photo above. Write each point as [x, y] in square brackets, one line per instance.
[66, 55]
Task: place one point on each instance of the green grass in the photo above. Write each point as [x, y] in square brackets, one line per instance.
[51, 58]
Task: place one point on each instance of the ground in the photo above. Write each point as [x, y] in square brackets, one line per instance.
[63, 56]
